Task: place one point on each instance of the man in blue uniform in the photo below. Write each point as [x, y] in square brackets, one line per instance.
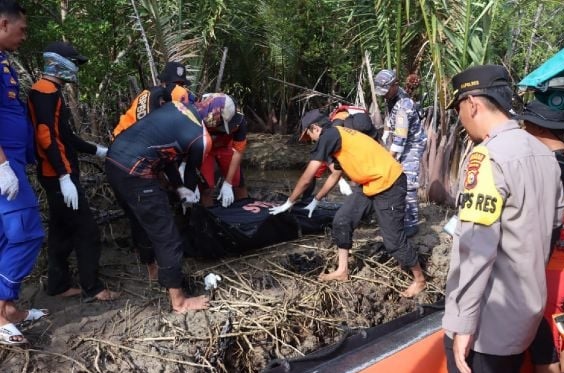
[21, 233]
[408, 139]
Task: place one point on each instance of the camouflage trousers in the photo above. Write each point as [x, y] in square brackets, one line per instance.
[410, 162]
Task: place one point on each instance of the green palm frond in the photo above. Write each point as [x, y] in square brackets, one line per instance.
[168, 34]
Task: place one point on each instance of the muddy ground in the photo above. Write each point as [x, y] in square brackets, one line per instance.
[268, 305]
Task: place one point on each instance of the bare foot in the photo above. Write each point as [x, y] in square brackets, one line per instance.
[415, 288]
[106, 295]
[337, 276]
[13, 314]
[9, 334]
[193, 304]
[18, 316]
[153, 271]
[70, 292]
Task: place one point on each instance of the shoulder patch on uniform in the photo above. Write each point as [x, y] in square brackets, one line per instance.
[406, 103]
[480, 202]
[142, 108]
[401, 131]
[184, 110]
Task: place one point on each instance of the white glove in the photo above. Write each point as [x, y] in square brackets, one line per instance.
[70, 194]
[211, 280]
[385, 136]
[197, 194]
[312, 205]
[226, 194]
[187, 198]
[344, 187]
[279, 209]
[101, 151]
[9, 184]
[181, 170]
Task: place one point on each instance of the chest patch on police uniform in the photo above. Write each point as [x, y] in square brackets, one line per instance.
[481, 202]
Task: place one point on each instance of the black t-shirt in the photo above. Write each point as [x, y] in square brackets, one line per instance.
[328, 144]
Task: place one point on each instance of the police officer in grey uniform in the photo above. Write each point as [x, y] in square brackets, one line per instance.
[509, 202]
[408, 139]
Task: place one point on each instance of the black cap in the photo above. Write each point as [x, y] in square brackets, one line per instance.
[66, 50]
[478, 81]
[174, 72]
[542, 115]
[314, 116]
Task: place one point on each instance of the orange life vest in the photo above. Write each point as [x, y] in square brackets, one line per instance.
[366, 162]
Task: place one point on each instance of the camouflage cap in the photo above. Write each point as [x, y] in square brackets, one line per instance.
[384, 80]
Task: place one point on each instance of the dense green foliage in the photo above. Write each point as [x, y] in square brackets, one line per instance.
[316, 44]
[285, 56]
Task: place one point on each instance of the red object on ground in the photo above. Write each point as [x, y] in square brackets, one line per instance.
[555, 292]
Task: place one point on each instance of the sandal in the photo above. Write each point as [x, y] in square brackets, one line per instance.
[8, 332]
[33, 314]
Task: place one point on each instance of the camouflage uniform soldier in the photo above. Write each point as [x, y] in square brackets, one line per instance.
[408, 139]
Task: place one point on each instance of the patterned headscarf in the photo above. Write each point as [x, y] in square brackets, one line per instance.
[216, 110]
[60, 67]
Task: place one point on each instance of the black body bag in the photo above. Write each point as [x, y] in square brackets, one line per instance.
[218, 232]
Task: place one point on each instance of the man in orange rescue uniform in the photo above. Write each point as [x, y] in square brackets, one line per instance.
[383, 184]
[173, 88]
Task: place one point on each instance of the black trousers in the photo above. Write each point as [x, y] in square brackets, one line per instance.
[543, 351]
[148, 209]
[71, 230]
[483, 363]
[389, 207]
[141, 241]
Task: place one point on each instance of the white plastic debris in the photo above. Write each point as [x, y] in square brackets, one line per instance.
[211, 281]
[450, 227]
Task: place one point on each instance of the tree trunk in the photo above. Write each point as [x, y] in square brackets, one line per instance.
[375, 109]
[531, 41]
[221, 69]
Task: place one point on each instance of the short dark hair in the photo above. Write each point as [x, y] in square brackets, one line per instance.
[11, 8]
